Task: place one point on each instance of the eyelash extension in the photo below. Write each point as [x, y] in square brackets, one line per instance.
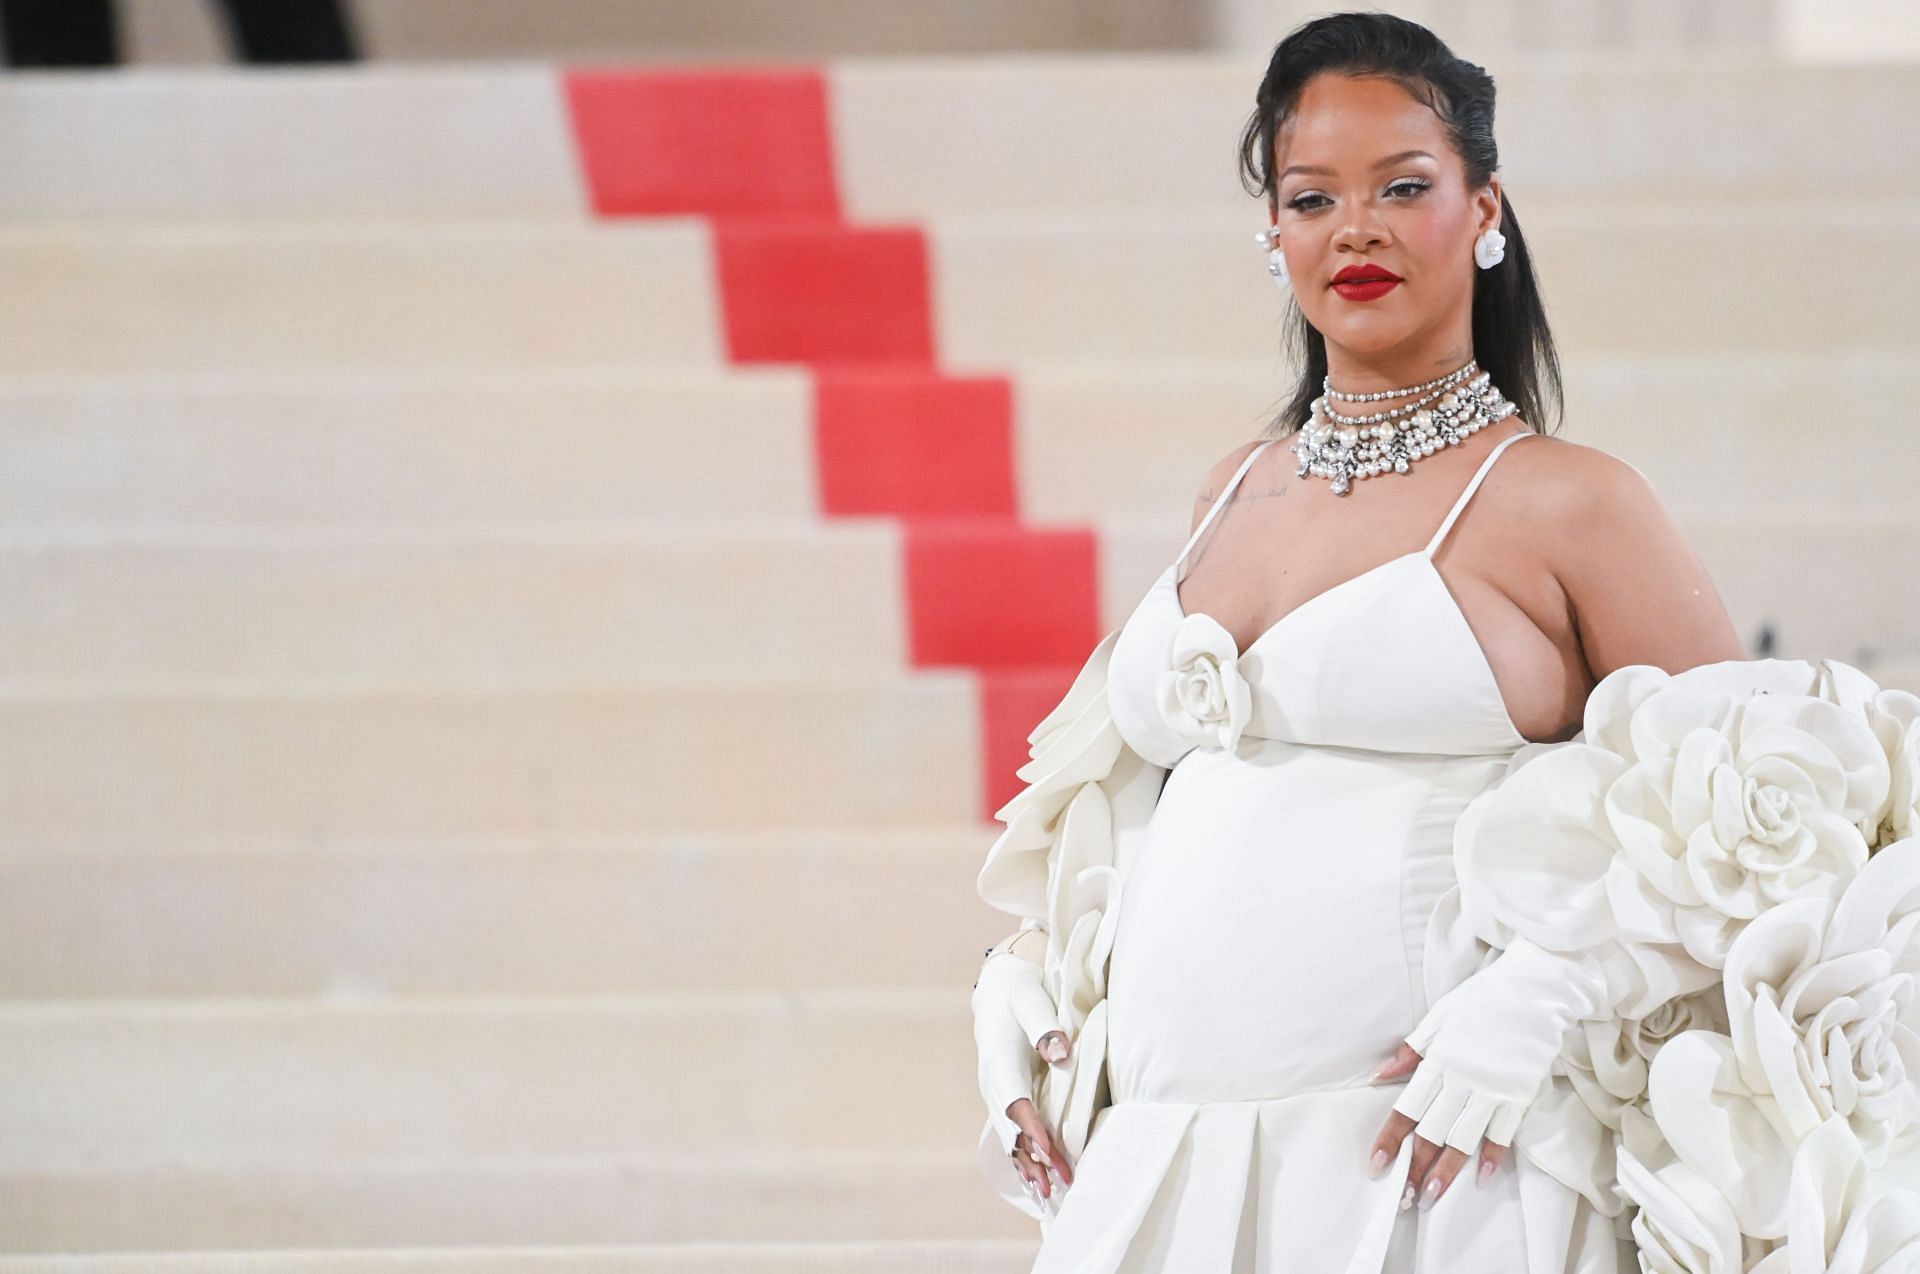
[1418, 185]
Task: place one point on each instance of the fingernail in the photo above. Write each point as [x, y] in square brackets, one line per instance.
[1428, 1195]
[1406, 1197]
[1486, 1168]
[1040, 1153]
[1378, 1073]
[1055, 1051]
[1377, 1164]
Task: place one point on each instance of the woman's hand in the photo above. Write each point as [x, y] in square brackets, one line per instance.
[1434, 1166]
[1034, 1152]
[1013, 1020]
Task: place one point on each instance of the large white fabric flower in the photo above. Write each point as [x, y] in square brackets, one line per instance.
[1839, 1222]
[1738, 847]
[1607, 1062]
[1695, 801]
[1681, 1225]
[1202, 694]
[1823, 1004]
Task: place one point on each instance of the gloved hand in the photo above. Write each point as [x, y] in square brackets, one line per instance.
[1488, 1045]
[1012, 1016]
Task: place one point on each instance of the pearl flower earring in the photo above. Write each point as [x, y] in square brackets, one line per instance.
[1490, 248]
[1276, 260]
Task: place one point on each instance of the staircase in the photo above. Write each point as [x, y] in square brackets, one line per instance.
[530, 580]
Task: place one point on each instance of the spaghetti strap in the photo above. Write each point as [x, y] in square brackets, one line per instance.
[1461, 503]
[1218, 505]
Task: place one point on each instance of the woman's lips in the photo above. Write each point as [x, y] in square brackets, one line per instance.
[1371, 290]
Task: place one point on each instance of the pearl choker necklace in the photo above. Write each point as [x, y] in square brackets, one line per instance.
[1347, 447]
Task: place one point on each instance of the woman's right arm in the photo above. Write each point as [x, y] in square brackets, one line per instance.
[1014, 1033]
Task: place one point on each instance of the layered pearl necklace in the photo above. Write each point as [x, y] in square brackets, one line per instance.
[1347, 447]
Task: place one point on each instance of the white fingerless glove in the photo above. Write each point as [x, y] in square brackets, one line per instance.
[1011, 1011]
[1487, 1046]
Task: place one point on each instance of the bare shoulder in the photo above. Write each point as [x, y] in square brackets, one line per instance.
[1587, 492]
[1638, 589]
[1581, 485]
[1217, 478]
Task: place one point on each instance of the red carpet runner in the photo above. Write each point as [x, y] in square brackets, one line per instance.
[751, 149]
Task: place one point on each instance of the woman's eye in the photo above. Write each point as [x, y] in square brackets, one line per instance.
[1300, 202]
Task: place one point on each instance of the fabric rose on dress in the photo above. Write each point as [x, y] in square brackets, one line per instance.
[1840, 1222]
[1202, 694]
[1762, 807]
[1738, 846]
[1695, 801]
[1681, 1224]
[1823, 1004]
[1607, 1062]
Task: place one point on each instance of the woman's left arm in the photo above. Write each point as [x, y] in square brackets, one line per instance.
[1639, 591]
[1639, 594]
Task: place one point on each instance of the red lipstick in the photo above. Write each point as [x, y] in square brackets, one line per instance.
[1365, 282]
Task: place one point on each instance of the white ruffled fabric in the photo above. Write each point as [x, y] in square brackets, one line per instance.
[1732, 849]
[1059, 865]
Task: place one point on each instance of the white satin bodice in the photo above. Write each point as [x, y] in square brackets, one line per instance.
[1384, 660]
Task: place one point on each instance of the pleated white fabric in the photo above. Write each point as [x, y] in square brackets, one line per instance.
[1269, 950]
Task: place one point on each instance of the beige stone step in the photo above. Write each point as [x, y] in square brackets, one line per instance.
[1088, 135]
[611, 448]
[859, 1256]
[1824, 585]
[699, 912]
[123, 767]
[1901, 669]
[310, 141]
[513, 608]
[257, 618]
[1062, 130]
[661, 30]
[677, 1194]
[235, 297]
[664, 31]
[220, 296]
[657, 445]
[149, 1082]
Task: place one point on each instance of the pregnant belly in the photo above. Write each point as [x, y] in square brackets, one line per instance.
[1261, 947]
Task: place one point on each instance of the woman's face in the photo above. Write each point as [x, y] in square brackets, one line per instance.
[1369, 203]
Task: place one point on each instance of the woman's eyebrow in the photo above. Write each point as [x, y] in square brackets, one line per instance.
[1382, 163]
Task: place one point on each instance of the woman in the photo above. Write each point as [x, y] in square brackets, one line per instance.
[1380, 619]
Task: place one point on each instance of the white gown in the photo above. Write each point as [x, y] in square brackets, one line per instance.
[1268, 952]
